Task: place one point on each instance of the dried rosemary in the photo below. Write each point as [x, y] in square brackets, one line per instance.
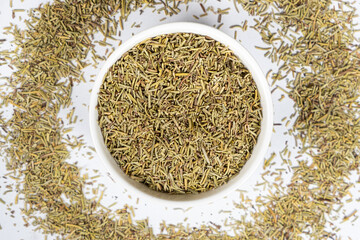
[179, 113]
[322, 56]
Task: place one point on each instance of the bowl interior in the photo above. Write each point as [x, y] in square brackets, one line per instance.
[256, 158]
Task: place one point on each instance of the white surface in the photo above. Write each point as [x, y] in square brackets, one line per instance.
[217, 212]
[258, 153]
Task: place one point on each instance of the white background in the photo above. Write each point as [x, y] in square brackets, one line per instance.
[217, 212]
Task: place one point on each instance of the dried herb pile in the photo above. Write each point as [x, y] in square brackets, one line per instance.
[58, 35]
[179, 113]
[324, 63]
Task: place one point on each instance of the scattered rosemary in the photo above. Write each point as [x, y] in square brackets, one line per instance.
[323, 58]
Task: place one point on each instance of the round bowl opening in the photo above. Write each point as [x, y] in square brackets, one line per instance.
[186, 200]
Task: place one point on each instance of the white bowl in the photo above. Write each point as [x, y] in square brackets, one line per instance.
[257, 156]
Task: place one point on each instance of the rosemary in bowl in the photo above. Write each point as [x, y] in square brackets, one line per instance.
[179, 113]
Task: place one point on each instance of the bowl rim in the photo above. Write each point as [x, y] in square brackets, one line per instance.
[258, 152]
